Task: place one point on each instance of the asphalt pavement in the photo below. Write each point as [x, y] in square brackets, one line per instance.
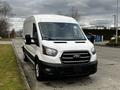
[107, 77]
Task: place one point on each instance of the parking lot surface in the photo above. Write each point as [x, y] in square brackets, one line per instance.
[107, 77]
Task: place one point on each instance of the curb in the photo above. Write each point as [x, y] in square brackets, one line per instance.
[21, 68]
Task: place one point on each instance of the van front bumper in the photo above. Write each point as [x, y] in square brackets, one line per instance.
[81, 69]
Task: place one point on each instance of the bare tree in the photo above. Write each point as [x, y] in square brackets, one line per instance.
[13, 33]
[19, 33]
[4, 25]
[5, 10]
[75, 13]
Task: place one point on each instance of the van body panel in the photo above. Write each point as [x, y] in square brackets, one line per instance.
[69, 45]
[54, 18]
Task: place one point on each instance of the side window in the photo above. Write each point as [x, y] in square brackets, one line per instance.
[35, 34]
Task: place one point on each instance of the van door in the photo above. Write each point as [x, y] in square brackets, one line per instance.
[33, 47]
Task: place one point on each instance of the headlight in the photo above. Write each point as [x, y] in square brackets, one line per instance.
[49, 51]
[93, 50]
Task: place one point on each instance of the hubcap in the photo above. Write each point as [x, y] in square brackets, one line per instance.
[37, 70]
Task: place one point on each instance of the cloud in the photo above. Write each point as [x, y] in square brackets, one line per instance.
[90, 10]
[101, 7]
[101, 22]
[86, 7]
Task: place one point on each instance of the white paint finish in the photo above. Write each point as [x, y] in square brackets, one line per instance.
[53, 18]
[60, 47]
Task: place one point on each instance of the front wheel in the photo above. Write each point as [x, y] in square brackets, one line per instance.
[38, 72]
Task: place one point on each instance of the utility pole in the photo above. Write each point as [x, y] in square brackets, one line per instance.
[114, 22]
[117, 23]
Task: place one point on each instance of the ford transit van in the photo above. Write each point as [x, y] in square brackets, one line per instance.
[57, 46]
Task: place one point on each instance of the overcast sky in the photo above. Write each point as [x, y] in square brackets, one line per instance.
[91, 11]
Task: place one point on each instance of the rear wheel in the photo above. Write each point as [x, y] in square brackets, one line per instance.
[38, 72]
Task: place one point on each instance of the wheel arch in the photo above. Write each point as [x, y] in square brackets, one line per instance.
[36, 59]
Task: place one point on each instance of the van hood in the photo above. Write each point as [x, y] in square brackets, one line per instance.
[68, 45]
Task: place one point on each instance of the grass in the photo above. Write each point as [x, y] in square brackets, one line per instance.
[113, 42]
[5, 39]
[10, 77]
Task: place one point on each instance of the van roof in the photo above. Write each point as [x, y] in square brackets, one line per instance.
[53, 18]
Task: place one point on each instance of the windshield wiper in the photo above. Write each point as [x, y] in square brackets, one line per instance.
[69, 39]
[47, 38]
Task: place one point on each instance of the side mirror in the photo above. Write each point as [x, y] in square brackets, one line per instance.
[28, 39]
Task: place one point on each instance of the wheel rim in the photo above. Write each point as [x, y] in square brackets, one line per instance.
[37, 70]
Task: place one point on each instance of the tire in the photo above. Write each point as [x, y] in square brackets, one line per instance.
[38, 72]
[86, 75]
[25, 58]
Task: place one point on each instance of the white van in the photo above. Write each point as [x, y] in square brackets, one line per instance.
[57, 46]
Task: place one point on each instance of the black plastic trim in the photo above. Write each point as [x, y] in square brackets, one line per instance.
[29, 54]
[70, 69]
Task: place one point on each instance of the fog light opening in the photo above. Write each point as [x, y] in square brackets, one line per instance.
[48, 69]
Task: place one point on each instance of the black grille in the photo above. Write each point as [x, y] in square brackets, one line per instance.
[73, 57]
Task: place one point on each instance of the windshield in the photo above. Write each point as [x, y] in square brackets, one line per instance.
[61, 31]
